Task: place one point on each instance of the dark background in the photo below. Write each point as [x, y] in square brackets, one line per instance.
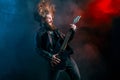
[96, 43]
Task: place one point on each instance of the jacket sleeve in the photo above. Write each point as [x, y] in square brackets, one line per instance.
[39, 47]
[72, 34]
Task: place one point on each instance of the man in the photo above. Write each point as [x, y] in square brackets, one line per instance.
[49, 40]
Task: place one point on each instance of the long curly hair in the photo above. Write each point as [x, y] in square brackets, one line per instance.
[45, 7]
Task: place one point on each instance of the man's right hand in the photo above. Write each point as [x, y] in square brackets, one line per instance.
[55, 60]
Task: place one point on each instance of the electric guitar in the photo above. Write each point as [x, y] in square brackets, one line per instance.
[61, 53]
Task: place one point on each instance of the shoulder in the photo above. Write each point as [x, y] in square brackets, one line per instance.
[41, 31]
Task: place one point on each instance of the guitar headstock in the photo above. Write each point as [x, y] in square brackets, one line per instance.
[76, 19]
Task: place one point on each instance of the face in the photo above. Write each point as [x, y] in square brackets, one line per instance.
[49, 19]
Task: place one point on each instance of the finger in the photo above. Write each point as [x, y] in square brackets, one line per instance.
[56, 55]
[56, 62]
[73, 26]
[58, 59]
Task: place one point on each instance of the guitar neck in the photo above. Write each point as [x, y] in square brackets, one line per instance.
[67, 37]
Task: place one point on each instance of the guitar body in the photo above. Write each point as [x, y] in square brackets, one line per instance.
[62, 64]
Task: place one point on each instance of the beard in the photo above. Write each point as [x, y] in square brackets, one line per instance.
[50, 26]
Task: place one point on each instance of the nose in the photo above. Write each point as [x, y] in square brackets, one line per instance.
[50, 19]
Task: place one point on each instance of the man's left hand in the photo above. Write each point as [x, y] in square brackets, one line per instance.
[73, 26]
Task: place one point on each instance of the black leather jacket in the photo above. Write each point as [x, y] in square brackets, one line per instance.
[44, 43]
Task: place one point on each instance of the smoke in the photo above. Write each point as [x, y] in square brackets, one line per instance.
[66, 11]
[17, 29]
[95, 13]
[101, 12]
[91, 42]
